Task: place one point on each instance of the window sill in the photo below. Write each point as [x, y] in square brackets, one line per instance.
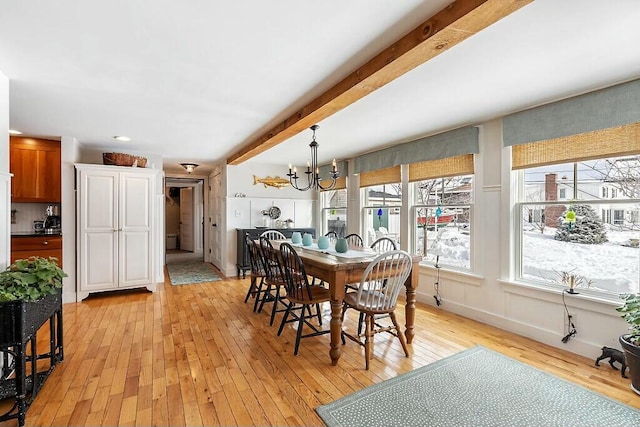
[445, 273]
[582, 300]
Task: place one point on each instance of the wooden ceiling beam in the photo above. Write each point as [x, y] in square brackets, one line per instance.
[453, 24]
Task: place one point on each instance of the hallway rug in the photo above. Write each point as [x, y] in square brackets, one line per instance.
[190, 272]
[477, 387]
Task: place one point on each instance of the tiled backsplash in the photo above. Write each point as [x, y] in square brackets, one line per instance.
[26, 213]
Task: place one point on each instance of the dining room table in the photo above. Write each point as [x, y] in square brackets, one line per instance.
[340, 269]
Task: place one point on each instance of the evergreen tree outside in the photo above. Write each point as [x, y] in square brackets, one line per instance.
[588, 227]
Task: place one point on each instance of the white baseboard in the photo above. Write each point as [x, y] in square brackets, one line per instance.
[552, 338]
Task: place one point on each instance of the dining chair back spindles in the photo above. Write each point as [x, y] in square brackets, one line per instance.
[258, 272]
[354, 240]
[332, 235]
[384, 244]
[275, 278]
[273, 235]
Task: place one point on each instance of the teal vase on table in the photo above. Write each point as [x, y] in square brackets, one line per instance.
[341, 245]
[307, 239]
[296, 237]
[323, 242]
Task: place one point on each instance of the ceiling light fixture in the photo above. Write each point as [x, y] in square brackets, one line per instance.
[190, 167]
[122, 138]
[14, 132]
[313, 171]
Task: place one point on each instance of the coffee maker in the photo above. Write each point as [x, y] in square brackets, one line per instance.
[52, 222]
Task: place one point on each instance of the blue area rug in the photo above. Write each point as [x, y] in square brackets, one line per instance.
[477, 387]
[190, 272]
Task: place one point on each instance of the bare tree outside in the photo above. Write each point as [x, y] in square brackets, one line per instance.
[436, 193]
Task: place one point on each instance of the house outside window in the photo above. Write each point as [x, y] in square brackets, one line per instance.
[442, 220]
[600, 245]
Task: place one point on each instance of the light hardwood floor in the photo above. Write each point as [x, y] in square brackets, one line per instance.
[197, 355]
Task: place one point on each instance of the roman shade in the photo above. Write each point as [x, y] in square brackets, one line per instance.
[450, 166]
[612, 142]
[611, 107]
[602, 123]
[381, 176]
[343, 170]
[447, 144]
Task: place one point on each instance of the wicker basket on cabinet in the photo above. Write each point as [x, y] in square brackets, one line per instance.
[122, 159]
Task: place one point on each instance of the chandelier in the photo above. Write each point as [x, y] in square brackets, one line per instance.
[313, 171]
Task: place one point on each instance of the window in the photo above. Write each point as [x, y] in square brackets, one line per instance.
[563, 193]
[334, 211]
[381, 212]
[442, 217]
[600, 245]
[618, 217]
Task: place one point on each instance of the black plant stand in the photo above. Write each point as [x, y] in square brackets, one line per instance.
[20, 378]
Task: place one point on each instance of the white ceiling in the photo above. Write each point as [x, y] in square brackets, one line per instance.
[197, 80]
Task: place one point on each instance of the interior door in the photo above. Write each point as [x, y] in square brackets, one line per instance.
[215, 217]
[186, 219]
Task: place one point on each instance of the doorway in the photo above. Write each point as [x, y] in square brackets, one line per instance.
[184, 217]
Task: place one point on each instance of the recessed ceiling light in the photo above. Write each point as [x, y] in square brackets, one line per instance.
[122, 138]
[14, 132]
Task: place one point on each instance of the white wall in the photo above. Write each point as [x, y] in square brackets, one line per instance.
[245, 212]
[5, 178]
[490, 294]
[70, 155]
[240, 179]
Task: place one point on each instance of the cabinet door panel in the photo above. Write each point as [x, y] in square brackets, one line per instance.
[36, 166]
[135, 202]
[135, 256]
[24, 172]
[98, 269]
[99, 203]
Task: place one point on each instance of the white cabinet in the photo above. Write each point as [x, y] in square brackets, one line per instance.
[115, 233]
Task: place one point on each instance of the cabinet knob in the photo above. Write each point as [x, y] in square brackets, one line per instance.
[45, 243]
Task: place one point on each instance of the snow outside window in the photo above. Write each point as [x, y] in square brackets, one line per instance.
[442, 220]
[589, 235]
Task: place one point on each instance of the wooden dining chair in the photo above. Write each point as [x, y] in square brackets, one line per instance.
[302, 296]
[382, 245]
[275, 279]
[354, 240]
[377, 293]
[258, 272]
[273, 235]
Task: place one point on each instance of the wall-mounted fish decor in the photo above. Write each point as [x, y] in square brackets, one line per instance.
[271, 181]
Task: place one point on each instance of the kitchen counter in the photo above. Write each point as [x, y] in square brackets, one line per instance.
[34, 234]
